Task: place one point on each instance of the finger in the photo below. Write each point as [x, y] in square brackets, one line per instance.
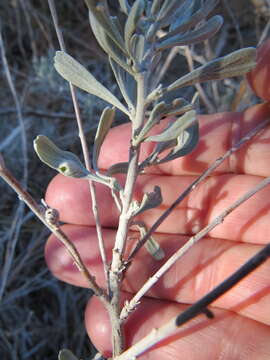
[204, 266]
[227, 336]
[249, 222]
[218, 132]
[259, 77]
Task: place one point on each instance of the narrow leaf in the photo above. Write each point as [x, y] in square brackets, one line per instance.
[137, 48]
[66, 355]
[101, 15]
[154, 118]
[108, 45]
[186, 143]
[126, 84]
[118, 168]
[190, 21]
[179, 19]
[176, 128]
[156, 6]
[183, 8]
[124, 5]
[177, 107]
[104, 126]
[168, 7]
[235, 64]
[135, 13]
[151, 245]
[198, 35]
[74, 72]
[150, 200]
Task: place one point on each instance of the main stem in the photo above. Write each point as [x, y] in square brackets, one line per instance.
[117, 265]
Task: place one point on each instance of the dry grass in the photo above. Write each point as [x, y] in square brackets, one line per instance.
[38, 314]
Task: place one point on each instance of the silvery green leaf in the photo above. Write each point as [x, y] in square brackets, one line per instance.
[135, 14]
[104, 126]
[99, 11]
[198, 35]
[154, 118]
[137, 47]
[74, 72]
[151, 245]
[177, 107]
[182, 11]
[167, 9]
[150, 200]
[186, 13]
[186, 142]
[235, 64]
[126, 84]
[176, 128]
[66, 355]
[124, 5]
[152, 31]
[108, 45]
[154, 249]
[156, 6]
[65, 162]
[118, 168]
[188, 22]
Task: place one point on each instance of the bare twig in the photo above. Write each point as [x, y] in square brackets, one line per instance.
[193, 185]
[130, 306]
[200, 307]
[35, 208]
[83, 144]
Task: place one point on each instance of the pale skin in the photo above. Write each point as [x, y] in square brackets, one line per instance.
[241, 327]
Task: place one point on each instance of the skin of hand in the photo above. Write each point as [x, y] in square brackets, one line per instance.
[241, 326]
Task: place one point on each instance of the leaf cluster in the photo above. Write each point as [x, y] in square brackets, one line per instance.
[134, 46]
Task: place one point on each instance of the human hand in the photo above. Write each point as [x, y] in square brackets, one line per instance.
[241, 327]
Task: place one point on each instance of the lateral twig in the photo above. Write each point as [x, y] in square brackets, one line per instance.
[71, 248]
[195, 183]
[83, 144]
[130, 306]
[157, 335]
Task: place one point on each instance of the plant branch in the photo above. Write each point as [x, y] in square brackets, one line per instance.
[194, 184]
[117, 265]
[130, 306]
[200, 307]
[83, 144]
[31, 203]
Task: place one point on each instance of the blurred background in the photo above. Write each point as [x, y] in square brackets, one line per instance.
[39, 315]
